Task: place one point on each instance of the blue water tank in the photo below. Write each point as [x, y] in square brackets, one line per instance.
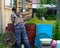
[42, 31]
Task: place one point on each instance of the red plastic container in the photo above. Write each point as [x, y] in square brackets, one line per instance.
[30, 27]
[31, 32]
[10, 27]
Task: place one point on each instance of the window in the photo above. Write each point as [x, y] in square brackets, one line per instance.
[8, 3]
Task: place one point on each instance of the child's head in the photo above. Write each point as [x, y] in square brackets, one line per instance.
[14, 9]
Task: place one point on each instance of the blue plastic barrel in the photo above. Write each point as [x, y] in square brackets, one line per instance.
[43, 31]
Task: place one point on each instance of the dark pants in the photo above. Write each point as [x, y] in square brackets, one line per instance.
[20, 31]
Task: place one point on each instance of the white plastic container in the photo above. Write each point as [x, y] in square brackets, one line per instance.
[45, 41]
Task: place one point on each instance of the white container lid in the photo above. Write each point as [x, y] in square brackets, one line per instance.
[45, 40]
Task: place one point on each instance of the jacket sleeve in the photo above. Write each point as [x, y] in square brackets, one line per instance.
[12, 18]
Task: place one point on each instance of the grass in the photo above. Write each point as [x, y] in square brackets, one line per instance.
[1, 40]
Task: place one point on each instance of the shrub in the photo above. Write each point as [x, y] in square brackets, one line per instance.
[51, 17]
[41, 12]
[56, 33]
